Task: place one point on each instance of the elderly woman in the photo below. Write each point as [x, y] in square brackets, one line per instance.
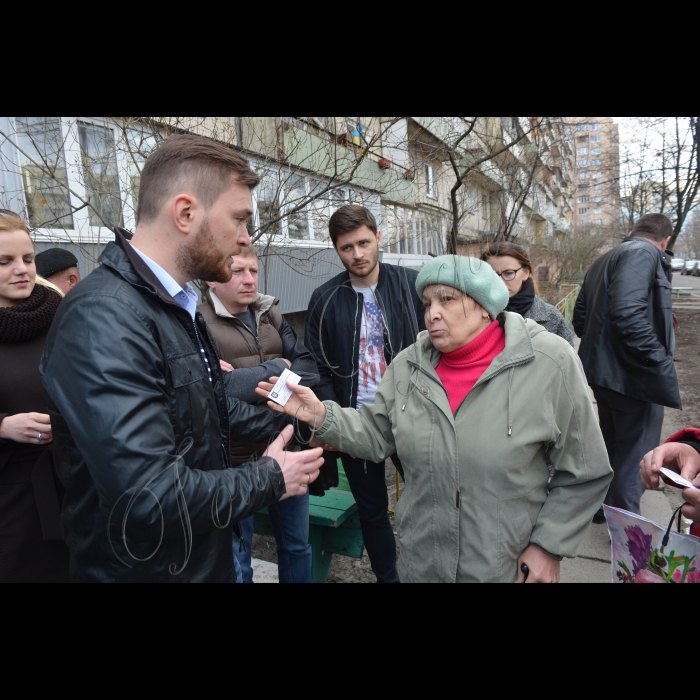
[32, 549]
[491, 417]
[513, 265]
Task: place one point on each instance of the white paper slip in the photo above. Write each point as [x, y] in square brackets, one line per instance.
[282, 393]
[678, 479]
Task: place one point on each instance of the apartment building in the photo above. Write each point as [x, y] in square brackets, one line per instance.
[75, 178]
[598, 203]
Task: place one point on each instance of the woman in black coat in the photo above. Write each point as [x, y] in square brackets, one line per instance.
[32, 549]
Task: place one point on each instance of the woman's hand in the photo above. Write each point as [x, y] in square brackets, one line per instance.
[543, 569]
[302, 405]
[26, 428]
[675, 456]
[226, 367]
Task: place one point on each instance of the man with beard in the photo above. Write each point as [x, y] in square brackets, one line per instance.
[357, 324]
[141, 418]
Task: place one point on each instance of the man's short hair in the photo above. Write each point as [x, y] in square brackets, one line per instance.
[249, 252]
[193, 163]
[350, 218]
[655, 227]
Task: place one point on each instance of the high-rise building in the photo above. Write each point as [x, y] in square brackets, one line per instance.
[597, 158]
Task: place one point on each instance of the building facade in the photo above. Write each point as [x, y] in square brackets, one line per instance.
[598, 208]
[75, 178]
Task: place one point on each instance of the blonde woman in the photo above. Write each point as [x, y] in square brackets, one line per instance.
[31, 542]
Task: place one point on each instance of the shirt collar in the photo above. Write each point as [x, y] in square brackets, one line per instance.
[185, 296]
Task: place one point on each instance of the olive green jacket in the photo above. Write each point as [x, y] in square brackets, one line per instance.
[523, 461]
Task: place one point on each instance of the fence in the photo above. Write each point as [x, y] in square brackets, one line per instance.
[568, 303]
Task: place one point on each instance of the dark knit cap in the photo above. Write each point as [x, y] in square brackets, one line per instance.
[51, 262]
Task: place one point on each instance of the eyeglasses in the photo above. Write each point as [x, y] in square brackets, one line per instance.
[509, 275]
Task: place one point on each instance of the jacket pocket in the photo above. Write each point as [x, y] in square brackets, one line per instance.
[189, 403]
[516, 523]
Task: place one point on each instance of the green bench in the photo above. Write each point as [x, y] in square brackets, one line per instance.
[334, 529]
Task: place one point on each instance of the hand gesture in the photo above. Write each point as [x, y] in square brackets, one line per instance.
[27, 428]
[543, 569]
[692, 498]
[303, 405]
[300, 469]
[675, 456]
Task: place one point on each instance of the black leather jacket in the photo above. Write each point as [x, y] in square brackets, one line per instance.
[625, 319]
[333, 328]
[141, 435]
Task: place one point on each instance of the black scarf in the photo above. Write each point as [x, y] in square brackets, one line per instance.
[31, 318]
[522, 303]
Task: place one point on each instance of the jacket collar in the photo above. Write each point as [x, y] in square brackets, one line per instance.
[123, 259]
[262, 304]
[519, 349]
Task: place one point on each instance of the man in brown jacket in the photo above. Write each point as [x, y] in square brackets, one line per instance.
[256, 343]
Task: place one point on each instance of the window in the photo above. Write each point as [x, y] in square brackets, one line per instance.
[596, 127]
[596, 151]
[484, 207]
[583, 211]
[582, 164]
[471, 200]
[298, 221]
[583, 151]
[268, 199]
[430, 181]
[596, 163]
[598, 200]
[584, 200]
[598, 210]
[44, 172]
[584, 176]
[543, 274]
[598, 187]
[140, 146]
[596, 176]
[596, 139]
[101, 175]
[586, 222]
[582, 127]
[598, 222]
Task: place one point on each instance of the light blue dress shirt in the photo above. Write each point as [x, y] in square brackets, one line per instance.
[185, 296]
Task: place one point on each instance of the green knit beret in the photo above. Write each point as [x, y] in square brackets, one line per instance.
[475, 278]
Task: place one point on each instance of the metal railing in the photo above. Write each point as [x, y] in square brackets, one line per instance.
[567, 305]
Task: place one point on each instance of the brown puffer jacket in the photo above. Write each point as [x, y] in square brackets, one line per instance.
[238, 346]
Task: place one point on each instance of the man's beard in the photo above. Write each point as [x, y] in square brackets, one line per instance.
[362, 274]
[200, 259]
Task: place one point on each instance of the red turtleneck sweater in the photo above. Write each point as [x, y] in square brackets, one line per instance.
[460, 371]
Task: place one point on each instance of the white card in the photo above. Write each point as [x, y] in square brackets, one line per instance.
[678, 479]
[282, 393]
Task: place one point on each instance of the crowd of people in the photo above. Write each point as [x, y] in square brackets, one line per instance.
[138, 442]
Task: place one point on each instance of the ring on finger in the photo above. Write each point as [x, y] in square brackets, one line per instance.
[40, 438]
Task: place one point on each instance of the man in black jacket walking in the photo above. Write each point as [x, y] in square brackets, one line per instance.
[141, 418]
[357, 324]
[625, 319]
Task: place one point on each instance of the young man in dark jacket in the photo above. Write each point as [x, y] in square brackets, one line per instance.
[357, 324]
[141, 420]
[256, 343]
[625, 319]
